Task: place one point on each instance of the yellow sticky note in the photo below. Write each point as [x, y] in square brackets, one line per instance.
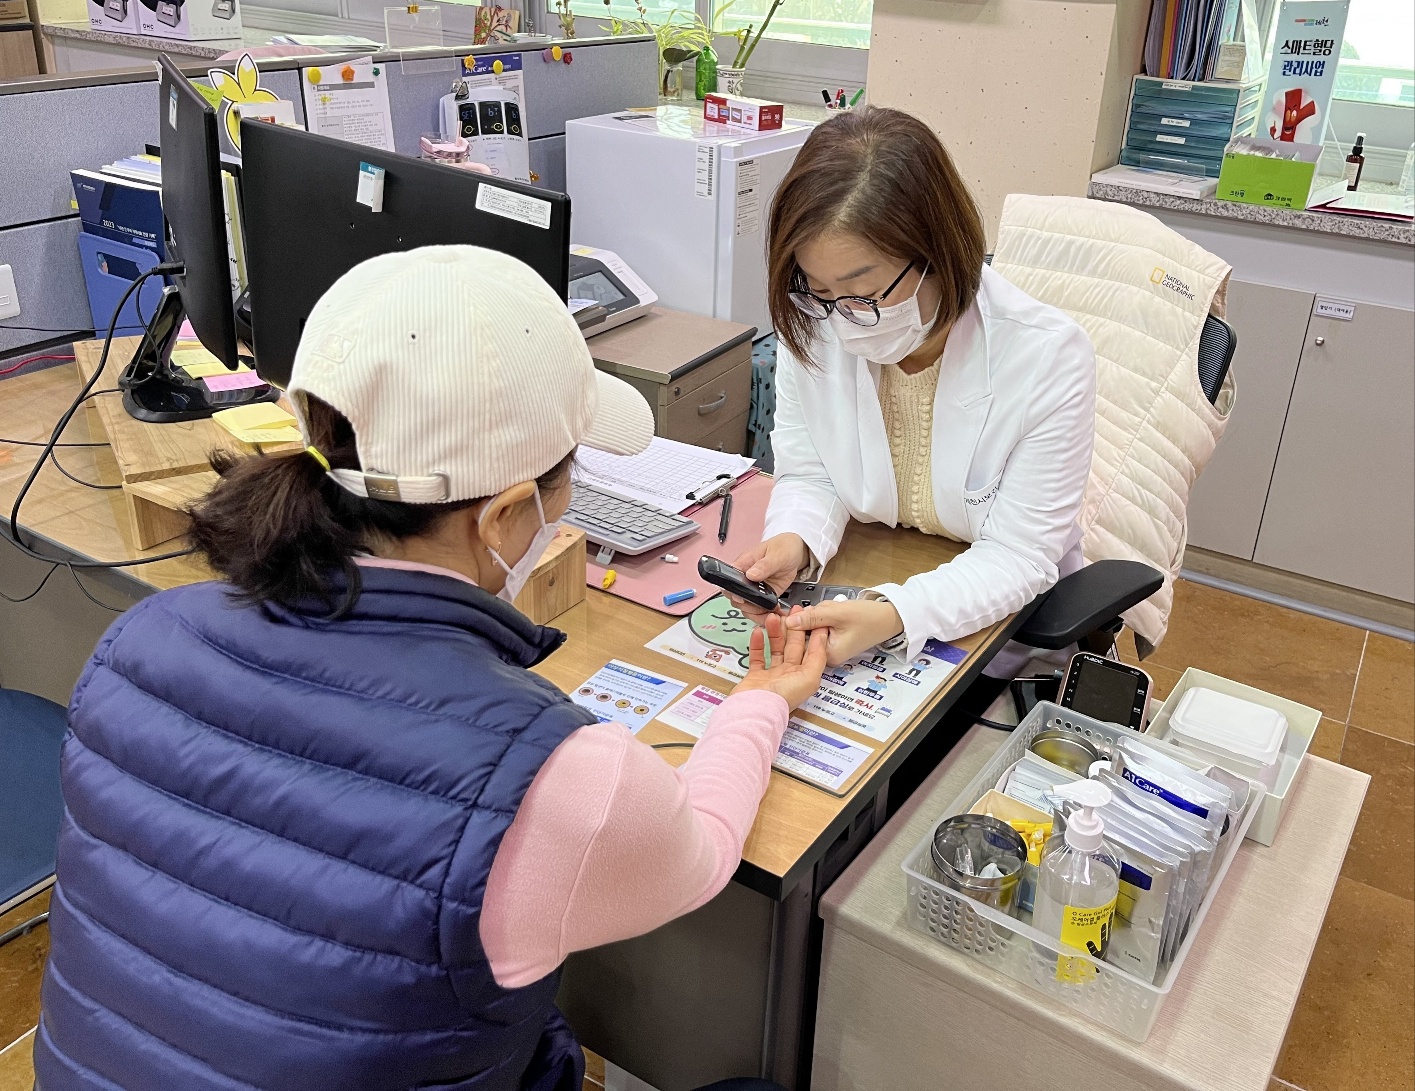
[186, 353]
[260, 417]
[214, 367]
[256, 437]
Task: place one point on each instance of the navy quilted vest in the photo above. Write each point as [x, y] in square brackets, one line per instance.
[277, 835]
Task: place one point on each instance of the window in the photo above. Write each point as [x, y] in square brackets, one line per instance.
[619, 9]
[817, 22]
[1378, 56]
[812, 22]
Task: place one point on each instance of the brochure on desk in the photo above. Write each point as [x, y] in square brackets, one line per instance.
[854, 716]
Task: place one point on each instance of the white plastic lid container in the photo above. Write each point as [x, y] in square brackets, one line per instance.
[1238, 735]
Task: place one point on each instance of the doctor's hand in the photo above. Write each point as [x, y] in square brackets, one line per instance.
[853, 626]
[775, 563]
[796, 663]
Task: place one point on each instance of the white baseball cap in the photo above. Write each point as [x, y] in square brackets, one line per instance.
[462, 374]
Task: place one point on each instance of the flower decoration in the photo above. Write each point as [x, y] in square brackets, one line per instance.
[243, 87]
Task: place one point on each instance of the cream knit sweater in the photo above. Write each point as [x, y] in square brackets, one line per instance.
[908, 405]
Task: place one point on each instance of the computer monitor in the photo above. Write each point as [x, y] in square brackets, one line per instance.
[305, 226]
[194, 215]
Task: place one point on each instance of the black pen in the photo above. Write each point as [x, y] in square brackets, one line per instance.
[726, 517]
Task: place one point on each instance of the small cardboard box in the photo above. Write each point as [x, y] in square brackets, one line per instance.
[715, 108]
[120, 16]
[1263, 172]
[189, 20]
[743, 113]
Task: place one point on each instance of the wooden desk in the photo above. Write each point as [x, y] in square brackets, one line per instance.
[747, 954]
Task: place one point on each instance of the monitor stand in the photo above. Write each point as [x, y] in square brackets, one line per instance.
[158, 393]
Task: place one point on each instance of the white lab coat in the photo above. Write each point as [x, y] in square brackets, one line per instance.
[1013, 425]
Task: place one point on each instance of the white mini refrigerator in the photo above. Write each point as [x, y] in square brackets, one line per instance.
[683, 201]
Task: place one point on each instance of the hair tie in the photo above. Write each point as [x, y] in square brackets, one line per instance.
[314, 452]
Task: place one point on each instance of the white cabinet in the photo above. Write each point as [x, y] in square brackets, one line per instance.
[1341, 506]
[1226, 506]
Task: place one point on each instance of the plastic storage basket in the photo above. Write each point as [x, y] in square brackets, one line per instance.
[1113, 998]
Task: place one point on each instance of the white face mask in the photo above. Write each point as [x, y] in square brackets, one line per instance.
[900, 332]
[519, 574]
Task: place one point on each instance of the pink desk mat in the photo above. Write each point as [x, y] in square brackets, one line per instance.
[647, 578]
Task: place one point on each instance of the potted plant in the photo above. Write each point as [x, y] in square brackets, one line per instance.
[566, 17]
[730, 77]
[681, 37]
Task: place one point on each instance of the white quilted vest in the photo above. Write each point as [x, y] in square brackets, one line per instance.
[1141, 291]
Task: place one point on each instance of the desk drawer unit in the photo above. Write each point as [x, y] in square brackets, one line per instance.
[704, 411]
[708, 406]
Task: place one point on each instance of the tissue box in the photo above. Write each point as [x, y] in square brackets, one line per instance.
[745, 113]
[190, 20]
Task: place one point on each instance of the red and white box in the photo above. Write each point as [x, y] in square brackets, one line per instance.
[743, 113]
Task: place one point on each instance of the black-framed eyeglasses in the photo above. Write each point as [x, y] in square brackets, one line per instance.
[861, 310]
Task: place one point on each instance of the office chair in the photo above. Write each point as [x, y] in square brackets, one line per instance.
[1085, 607]
[1217, 343]
[31, 731]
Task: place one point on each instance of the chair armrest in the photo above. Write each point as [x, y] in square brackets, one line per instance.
[1086, 601]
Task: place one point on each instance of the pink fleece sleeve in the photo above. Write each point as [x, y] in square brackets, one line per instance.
[611, 841]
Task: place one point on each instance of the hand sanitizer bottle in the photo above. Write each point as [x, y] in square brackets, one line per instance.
[1077, 883]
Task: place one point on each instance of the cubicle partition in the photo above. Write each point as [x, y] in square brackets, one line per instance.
[49, 126]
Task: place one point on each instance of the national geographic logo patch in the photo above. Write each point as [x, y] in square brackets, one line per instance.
[1172, 282]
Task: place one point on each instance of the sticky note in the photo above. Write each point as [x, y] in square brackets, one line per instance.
[214, 367]
[264, 422]
[197, 362]
[269, 436]
[233, 380]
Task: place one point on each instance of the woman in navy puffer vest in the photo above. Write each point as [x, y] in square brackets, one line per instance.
[285, 792]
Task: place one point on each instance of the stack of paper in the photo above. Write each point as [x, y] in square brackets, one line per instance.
[259, 424]
[1157, 181]
[664, 475]
[333, 42]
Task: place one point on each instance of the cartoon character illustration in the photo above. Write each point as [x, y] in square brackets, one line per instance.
[875, 688]
[878, 661]
[718, 622]
[1288, 113]
[919, 665]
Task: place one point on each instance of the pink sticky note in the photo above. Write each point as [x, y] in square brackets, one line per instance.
[186, 333]
[236, 380]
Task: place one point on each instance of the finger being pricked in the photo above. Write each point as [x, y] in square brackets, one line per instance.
[795, 639]
[756, 650]
[776, 637]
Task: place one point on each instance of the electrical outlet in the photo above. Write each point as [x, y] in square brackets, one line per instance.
[9, 297]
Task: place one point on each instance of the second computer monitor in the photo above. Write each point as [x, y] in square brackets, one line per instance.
[305, 225]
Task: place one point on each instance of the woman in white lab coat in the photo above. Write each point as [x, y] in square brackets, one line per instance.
[915, 387]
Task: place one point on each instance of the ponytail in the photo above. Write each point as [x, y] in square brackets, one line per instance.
[280, 529]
